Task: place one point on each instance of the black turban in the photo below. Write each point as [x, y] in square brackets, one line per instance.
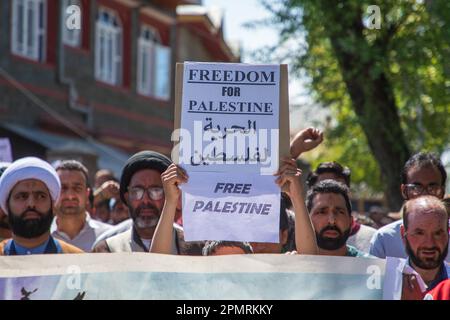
[140, 161]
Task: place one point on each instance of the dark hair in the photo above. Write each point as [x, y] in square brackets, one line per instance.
[421, 160]
[74, 165]
[329, 167]
[91, 196]
[328, 186]
[284, 224]
[107, 172]
[103, 204]
[405, 208]
[211, 246]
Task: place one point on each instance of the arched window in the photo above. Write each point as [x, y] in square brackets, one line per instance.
[108, 47]
[28, 37]
[153, 70]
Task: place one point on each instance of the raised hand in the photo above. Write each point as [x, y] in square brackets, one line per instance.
[289, 174]
[305, 140]
[171, 179]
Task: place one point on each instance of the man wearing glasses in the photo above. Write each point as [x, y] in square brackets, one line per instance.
[142, 191]
[423, 174]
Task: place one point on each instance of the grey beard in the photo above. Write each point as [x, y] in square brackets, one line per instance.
[147, 222]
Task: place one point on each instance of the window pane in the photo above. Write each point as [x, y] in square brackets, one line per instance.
[109, 60]
[30, 26]
[41, 32]
[41, 48]
[109, 49]
[162, 72]
[101, 49]
[41, 15]
[118, 56]
[144, 69]
[20, 22]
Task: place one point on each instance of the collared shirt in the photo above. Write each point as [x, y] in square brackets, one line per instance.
[86, 237]
[441, 276]
[22, 251]
[37, 250]
[12, 248]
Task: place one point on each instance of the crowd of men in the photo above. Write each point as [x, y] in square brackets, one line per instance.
[52, 209]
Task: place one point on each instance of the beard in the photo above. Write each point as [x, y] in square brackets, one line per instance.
[427, 263]
[144, 222]
[327, 243]
[30, 228]
[4, 222]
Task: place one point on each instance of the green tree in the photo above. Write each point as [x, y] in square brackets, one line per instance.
[387, 88]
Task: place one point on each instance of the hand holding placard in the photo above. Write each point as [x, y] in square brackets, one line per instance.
[171, 179]
[289, 177]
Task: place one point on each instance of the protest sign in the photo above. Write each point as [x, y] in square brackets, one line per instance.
[232, 127]
[154, 276]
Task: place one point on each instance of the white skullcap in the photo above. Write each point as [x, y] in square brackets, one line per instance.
[28, 168]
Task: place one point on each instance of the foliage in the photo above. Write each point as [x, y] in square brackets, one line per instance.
[412, 50]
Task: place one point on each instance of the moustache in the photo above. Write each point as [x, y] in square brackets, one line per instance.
[429, 249]
[146, 207]
[22, 215]
[330, 228]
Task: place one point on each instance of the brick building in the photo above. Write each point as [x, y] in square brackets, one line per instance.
[93, 79]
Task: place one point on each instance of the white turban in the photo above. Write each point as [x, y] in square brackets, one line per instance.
[28, 168]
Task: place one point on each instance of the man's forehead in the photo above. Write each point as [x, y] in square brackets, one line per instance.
[424, 211]
[427, 219]
[71, 176]
[30, 184]
[331, 176]
[146, 177]
[329, 199]
[424, 174]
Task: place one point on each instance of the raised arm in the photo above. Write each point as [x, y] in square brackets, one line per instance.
[305, 238]
[171, 179]
[305, 140]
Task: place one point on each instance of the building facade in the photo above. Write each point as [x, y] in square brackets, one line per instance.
[93, 79]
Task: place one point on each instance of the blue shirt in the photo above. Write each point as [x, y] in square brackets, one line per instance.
[387, 242]
[22, 251]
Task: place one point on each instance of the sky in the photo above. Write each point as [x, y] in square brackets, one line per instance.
[238, 12]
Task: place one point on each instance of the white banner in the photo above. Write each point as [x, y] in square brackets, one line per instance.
[156, 276]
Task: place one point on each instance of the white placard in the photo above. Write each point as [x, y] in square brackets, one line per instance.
[230, 136]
